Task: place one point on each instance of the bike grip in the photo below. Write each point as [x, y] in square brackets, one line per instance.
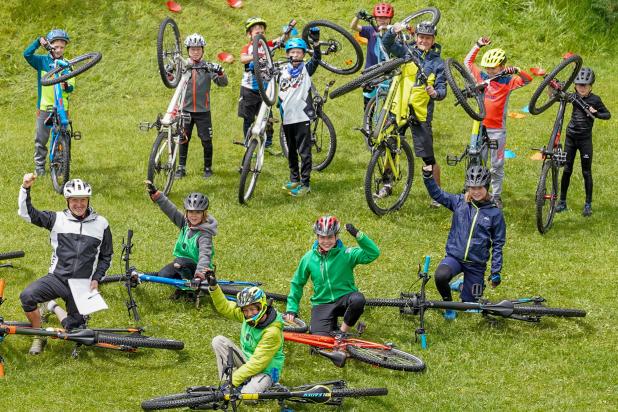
[2, 284]
[426, 264]
[129, 236]
[1, 370]
[423, 341]
[291, 25]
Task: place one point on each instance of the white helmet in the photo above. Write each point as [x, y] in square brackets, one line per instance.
[195, 40]
[76, 188]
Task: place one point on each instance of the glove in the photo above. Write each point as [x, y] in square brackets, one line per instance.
[495, 279]
[427, 171]
[217, 69]
[511, 70]
[483, 41]
[351, 229]
[150, 188]
[210, 277]
[314, 34]
[362, 15]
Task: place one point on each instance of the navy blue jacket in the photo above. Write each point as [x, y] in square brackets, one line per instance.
[475, 228]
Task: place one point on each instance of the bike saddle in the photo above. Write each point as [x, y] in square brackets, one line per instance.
[337, 357]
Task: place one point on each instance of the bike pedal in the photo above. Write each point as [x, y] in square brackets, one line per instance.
[77, 135]
[239, 143]
[145, 126]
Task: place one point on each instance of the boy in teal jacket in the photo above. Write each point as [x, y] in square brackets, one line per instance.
[330, 266]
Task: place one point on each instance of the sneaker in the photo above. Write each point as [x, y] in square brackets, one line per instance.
[40, 171]
[587, 212]
[449, 314]
[271, 151]
[434, 204]
[561, 206]
[207, 172]
[290, 185]
[385, 191]
[38, 343]
[300, 190]
[457, 285]
[180, 172]
[497, 201]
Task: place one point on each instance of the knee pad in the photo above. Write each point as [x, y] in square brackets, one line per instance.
[431, 160]
[443, 274]
[357, 299]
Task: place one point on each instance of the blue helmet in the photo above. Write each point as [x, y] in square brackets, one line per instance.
[57, 34]
[296, 43]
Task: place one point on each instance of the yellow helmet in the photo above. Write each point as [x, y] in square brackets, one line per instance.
[493, 58]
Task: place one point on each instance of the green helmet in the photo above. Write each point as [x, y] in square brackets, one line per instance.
[252, 21]
[249, 296]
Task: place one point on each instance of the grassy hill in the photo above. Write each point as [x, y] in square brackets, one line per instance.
[472, 363]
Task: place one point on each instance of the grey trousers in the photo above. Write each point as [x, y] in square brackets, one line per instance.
[41, 137]
[221, 345]
[497, 160]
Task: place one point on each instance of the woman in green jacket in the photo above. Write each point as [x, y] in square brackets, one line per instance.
[330, 266]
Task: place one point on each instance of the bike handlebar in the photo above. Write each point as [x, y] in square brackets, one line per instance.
[426, 265]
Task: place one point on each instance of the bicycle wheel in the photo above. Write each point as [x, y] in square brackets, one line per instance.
[263, 68]
[379, 70]
[12, 255]
[323, 142]
[169, 53]
[181, 400]
[545, 311]
[546, 196]
[137, 341]
[298, 326]
[357, 393]
[430, 14]
[567, 69]
[464, 88]
[73, 67]
[383, 191]
[112, 278]
[163, 162]
[60, 166]
[341, 53]
[397, 303]
[249, 172]
[387, 358]
[372, 113]
[233, 290]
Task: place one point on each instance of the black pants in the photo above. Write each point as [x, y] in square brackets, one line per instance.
[324, 317]
[204, 131]
[298, 138]
[571, 147]
[185, 270]
[52, 287]
[248, 108]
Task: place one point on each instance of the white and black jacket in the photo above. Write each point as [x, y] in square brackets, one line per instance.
[81, 248]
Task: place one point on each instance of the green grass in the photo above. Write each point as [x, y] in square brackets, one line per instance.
[472, 365]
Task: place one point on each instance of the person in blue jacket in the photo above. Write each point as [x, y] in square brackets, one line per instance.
[477, 228]
[58, 40]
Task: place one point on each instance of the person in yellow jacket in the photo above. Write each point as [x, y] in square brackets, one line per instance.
[259, 360]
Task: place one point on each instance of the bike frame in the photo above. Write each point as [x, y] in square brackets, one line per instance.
[61, 123]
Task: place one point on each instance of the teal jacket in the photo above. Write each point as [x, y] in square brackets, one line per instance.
[331, 273]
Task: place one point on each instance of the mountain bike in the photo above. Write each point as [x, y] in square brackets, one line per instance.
[323, 133]
[61, 127]
[525, 309]
[126, 340]
[551, 90]
[335, 43]
[390, 172]
[175, 73]
[226, 396]
[11, 255]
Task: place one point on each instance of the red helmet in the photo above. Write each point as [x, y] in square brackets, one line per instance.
[383, 10]
[326, 226]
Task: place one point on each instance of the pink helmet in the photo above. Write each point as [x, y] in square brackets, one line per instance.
[326, 226]
[383, 10]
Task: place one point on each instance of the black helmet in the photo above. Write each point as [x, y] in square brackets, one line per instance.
[196, 201]
[585, 76]
[425, 27]
[478, 176]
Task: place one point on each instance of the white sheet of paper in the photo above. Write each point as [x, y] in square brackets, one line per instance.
[87, 302]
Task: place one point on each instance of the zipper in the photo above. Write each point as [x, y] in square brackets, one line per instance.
[78, 248]
[324, 270]
[471, 232]
[194, 91]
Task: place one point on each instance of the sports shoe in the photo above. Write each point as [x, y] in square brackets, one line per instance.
[561, 206]
[180, 172]
[290, 185]
[449, 314]
[300, 190]
[40, 171]
[457, 285]
[271, 151]
[385, 191]
[38, 343]
[434, 204]
[207, 172]
[587, 212]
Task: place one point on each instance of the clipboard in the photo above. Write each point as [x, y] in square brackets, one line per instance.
[87, 302]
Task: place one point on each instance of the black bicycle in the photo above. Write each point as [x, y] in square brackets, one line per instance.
[11, 255]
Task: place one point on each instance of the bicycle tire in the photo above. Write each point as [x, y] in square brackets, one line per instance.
[319, 163]
[344, 64]
[233, 290]
[180, 400]
[298, 326]
[60, 167]
[397, 303]
[358, 392]
[576, 60]
[378, 179]
[90, 59]
[138, 341]
[392, 358]
[249, 170]
[12, 255]
[469, 83]
[111, 279]
[545, 217]
[374, 107]
[263, 69]
[545, 311]
[367, 77]
[167, 54]
[160, 173]
[435, 13]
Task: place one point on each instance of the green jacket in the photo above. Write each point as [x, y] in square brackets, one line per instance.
[262, 347]
[331, 274]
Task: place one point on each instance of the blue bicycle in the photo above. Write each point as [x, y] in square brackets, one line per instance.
[61, 127]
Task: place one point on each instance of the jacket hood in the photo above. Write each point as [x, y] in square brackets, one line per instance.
[92, 215]
[209, 226]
